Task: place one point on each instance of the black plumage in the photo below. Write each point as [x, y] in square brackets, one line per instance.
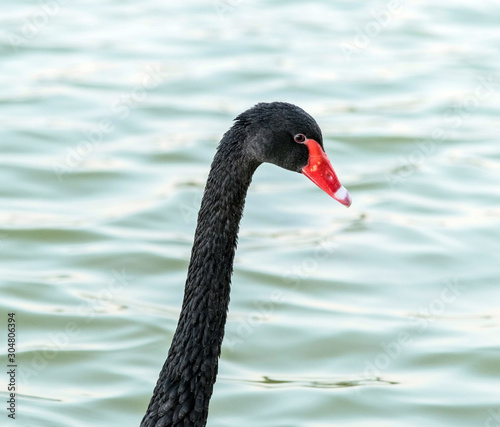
[264, 133]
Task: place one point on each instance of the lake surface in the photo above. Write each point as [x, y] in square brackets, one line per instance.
[384, 314]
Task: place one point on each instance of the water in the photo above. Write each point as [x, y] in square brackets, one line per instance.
[384, 314]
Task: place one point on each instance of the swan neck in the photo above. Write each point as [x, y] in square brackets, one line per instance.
[186, 381]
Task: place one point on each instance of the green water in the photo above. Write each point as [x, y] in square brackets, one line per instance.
[384, 314]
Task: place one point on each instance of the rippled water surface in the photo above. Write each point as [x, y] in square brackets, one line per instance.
[384, 314]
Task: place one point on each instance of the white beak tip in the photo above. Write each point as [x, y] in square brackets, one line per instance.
[343, 196]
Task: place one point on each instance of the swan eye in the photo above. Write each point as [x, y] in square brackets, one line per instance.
[300, 138]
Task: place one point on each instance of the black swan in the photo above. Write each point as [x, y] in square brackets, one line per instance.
[278, 133]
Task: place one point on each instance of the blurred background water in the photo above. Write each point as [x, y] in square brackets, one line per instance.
[384, 314]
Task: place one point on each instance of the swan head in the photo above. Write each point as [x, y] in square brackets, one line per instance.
[285, 135]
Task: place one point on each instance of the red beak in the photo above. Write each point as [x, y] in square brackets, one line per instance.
[320, 171]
